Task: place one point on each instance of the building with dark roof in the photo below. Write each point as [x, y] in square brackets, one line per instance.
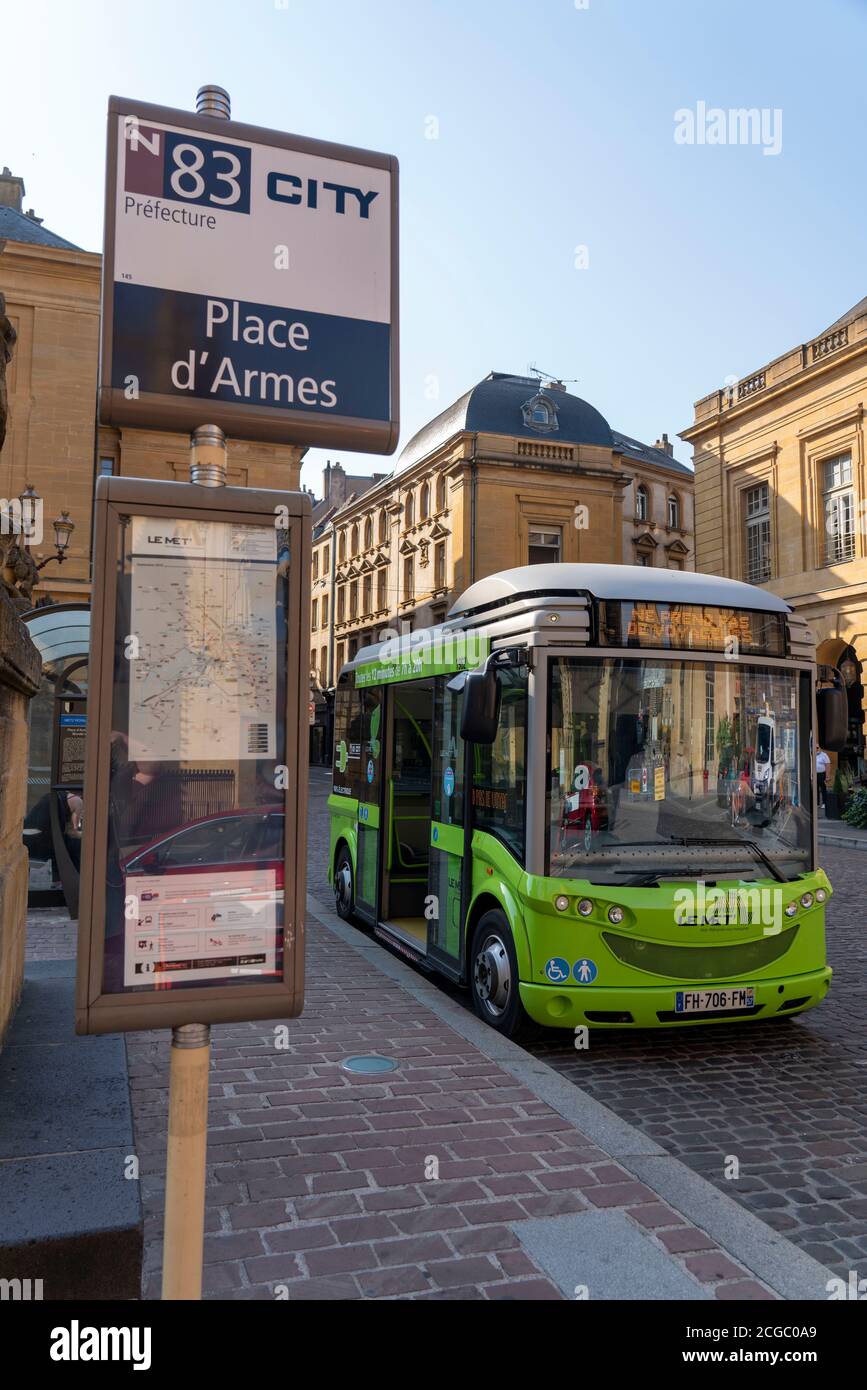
[517, 470]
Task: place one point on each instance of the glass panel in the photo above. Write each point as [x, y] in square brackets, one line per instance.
[646, 755]
[195, 827]
[499, 770]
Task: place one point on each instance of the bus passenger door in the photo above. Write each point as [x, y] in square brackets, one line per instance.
[369, 789]
[445, 875]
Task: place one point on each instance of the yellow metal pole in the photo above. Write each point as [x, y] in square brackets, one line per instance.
[185, 1162]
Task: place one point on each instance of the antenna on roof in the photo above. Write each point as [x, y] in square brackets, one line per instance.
[550, 379]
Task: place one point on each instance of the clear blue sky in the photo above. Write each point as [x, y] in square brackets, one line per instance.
[556, 129]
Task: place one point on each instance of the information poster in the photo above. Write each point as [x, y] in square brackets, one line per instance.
[203, 649]
[201, 926]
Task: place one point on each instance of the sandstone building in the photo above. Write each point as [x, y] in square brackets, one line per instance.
[514, 472]
[781, 492]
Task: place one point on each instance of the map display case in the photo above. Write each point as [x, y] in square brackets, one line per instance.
[194, 849]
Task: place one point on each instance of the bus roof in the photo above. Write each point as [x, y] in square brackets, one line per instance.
[628, 582]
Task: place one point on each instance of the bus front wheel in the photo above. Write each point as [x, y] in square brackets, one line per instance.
[494, 975]
[344, 893]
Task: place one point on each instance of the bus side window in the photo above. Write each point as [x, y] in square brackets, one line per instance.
[500, 770]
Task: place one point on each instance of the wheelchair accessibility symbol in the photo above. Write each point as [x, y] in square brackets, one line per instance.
[557, 970]
[585, 971]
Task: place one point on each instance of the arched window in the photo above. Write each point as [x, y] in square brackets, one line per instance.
[642, 503]
[409, 511]
[441, 492]
[368, 533]
[383, 526]
[342, 550]
[425, 501]
[673, 510]
[354, 549]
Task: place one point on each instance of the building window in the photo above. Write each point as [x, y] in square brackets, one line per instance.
[106, 468]
[839, 509]
[324, 610]
[440, 566]
[545, 547]
[323, 665]
[312, 666]
[673, 511]
[642, 503]
[366, 595]
[757, 522]
[316, 564]
[408, 577]
[353, 648]
[314, 615]
[341, 655]
[441, 492]
[641, 559]
[353, 600]
[342, 551]
[381, 582]
[326, 558]
[354, 549]
[425, 502]
[383, 526]
[368, 533]
[341, 603]
[409, 511]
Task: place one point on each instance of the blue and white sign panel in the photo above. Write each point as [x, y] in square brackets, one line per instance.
[249, 281]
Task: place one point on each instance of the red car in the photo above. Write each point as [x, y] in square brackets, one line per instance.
[585, 809]
[231, 840]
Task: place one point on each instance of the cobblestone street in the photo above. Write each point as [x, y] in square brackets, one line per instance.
[788, 1099]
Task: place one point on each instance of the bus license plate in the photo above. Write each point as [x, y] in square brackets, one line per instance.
[710, 1001]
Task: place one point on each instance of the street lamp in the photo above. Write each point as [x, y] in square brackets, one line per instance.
[31, 503]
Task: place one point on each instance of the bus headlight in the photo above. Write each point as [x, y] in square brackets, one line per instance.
[807, 900]
[615, 914]
[821, 895]
[585, 907]
[561, 902]
[791, 909]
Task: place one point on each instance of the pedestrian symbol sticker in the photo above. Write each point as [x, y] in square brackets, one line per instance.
[370, 769]
[585, 971]
[557, 970]
[449, 781]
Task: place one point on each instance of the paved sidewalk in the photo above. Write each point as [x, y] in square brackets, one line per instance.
[473, 1171]
[841, 835]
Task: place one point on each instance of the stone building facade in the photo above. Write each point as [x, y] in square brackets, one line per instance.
[512, 473]
[781, 493]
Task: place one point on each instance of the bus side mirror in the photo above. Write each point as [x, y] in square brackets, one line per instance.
[832, 706]
[481, 711]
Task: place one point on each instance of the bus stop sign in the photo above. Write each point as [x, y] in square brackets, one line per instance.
[250, 279]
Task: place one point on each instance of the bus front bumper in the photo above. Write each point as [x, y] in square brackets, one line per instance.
[556, 1006]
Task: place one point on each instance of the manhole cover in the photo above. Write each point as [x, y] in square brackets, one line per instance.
[369, 1065]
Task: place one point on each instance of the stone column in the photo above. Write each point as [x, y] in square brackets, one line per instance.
[20, 668]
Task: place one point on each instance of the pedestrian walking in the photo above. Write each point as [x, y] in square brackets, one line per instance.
[823, 762]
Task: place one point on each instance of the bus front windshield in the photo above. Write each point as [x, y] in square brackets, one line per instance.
[677, 769]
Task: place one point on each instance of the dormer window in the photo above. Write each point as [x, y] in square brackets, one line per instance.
[540, 413]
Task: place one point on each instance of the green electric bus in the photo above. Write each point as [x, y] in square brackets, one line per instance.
[588, 796]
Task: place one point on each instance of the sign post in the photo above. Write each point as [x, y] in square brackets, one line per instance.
[250, 281]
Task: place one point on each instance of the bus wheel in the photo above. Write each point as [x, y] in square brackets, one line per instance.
[343, 886]
[494, 975]
[588, 833]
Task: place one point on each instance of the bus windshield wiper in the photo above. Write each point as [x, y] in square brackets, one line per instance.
[748, 844]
